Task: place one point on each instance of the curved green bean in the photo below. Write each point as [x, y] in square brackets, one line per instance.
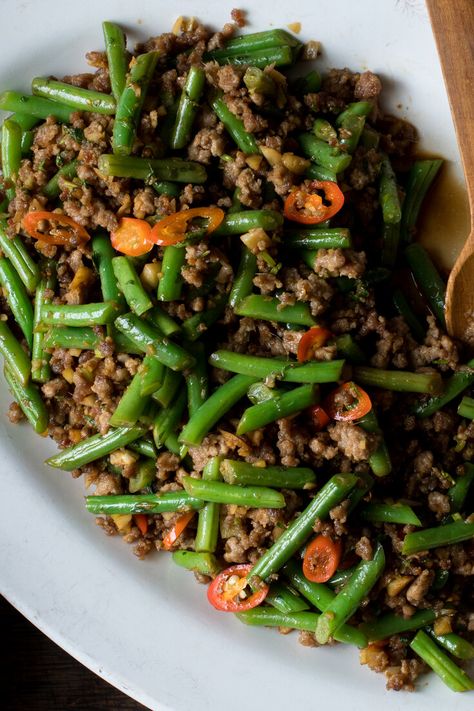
[257, 497]
[95, 447]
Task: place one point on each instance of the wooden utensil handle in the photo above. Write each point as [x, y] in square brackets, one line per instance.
[453, 27]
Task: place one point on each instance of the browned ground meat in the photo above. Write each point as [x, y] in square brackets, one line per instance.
[341, 290]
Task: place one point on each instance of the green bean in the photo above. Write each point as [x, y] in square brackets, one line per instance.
[214, 408]
[322, 153]
[259, 392]
[243, 282]
[115, 47]
[242, 473]
[238, 223]
[142, 503]
[256, 497]
[171, 383]
[260, 40]
[420, 177]
[440, 663]
[459, 491]
[391, 240]
[76, 97]
[268, 617]
[187, 108]
[349, 349]
[328, 238]
[98, 314]
[165, 187]
[171, 281]
[299, 530]
[150, 340]
[122, 343]
[389, 513]
[234, 126]
[52, 189]
[145, 447]
[83, 337]
[358, 108]
[341, 577]
[144, 476]
[388, 194]
[466, 408]
[130, 285]
[380, 459]
[152, 169]
[24, 265]
[26, 142]
[102, 255]
[159, 318]
[403, 307]
[25, 122]
[29, 399]
[446, 535]
[317, 172]
[15, 357]
[261, 58]
[201, 562]
[17, 298]
[95, 447]
[196, 325]
[390, 624]
[260, 82]
[284, 370]
[321, 597]
[454, 386]
[131, 101]
[272, 309]
[398, 380]
[11, 155]
[208, 521]
[309, 84]
[351, 123]
[323, 130]
[456, 645]
[40, 370]
[132, 404]
[167, 420]
[196, 381]
[370, 138]
[428, 280]
[282, 597]
[287, 404]
[347, 601]
[35, 106]
[364, 485]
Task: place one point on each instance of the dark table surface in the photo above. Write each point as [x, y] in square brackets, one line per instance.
[37, 675]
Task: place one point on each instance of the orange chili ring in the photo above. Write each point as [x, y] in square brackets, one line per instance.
[348, 402]
[132, 237]
[319, 417]
[174, 533]
[224, 592]
[321, 559]
[172, 229]
[307, 206]
[311, 341]
[60, 229]
[141, 521]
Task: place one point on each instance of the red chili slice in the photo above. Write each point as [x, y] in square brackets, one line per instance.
[224, 591]
[348, 402]
[308, 207]
[311, 341]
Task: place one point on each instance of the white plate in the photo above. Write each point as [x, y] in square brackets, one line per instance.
[146, 626]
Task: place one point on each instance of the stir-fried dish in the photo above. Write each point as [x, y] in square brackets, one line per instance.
[214, 302]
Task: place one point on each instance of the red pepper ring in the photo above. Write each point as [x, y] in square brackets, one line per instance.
[172, 229]
[307, 206]
[320, 417]
[348, 402]
[311, 341]
[225, 595]
[54, 228]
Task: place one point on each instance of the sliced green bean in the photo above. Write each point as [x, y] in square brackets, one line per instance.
[142, 503]
[144, 476]
[159, 318]
[199, 562]
[420, 177]
[243, 282]
[403, 307]
[242, 473]
[197, 381]
[25, 266]
[466, 408]
[389, 513]
[234, 126]
[25, 121]
[454, 386]
[17, 298]
[165, 187]
[440, 663]
[95, 447]
[27, 138]
[102, 255]
[317, 172]
[257, 497]
[145, 447]
[391, 624]
[453, 643]
[115, 47]
[196, 325]
[238, 223]
[318, 238]
[459, 491]
[135, 398]
[287, 371]
[172, 382]
[351, 123]
[83, 337]
[29, 399]
[260, 82]
[98, 314]
[379, 460]
[347, 600]
[309, 84]
[287, 404]
[269, 617]
[428, 280]
[167, 420]
[388, 194]
[171, 281]
[282, 598]
[323, 130]
[399, 380]
[76, 97]
[391, 240]
[130, 285]
[40, 370]
[299, 530]
[152, 169]
[16, 360]
[52, 189]
[322, 153]
[187, 108]
[260, 40]
[11, 155]
[35, 106]
[446, 535]
[207, 532]
[278, 56]
[214, 408]
[259, 392]
[349, 349]
[272, 309]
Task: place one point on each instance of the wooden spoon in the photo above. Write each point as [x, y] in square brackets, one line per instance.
[453, 27]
